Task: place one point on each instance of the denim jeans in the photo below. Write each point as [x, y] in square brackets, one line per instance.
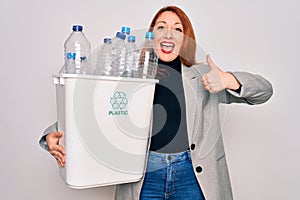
[170, 176]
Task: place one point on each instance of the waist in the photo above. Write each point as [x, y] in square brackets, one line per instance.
[169, 157]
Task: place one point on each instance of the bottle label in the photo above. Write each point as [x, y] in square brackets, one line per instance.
[71, 55]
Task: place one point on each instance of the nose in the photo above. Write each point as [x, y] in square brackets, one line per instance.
[168, 34]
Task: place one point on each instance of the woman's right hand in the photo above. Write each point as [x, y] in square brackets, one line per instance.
[56, 150]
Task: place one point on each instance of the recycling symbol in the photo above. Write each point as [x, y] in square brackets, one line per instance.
[119, 100]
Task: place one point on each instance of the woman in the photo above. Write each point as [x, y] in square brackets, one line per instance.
[186, 158]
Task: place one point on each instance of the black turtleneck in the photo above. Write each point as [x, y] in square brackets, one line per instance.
[169, 133]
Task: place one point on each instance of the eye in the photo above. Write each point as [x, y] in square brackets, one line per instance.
[160, 27]
[178, 29]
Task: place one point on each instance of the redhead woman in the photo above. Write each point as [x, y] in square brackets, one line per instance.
[186, 159]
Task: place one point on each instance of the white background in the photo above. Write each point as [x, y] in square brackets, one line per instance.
[259, 36]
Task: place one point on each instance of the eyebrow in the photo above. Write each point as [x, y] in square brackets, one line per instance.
[166, 22]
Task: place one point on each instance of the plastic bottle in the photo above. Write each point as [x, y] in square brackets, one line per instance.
[131, 62]
[118, 54]
[104, 60]
[77, 52]
[125, 30]
[148, 58]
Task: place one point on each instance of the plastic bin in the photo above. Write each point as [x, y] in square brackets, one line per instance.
[106, 125]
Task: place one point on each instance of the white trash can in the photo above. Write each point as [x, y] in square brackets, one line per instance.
[106, 125]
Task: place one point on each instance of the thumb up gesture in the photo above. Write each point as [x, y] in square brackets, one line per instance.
[217, 80]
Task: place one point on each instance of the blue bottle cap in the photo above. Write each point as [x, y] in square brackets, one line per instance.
[131, 38]
[106, 40]
[77, 28]
[120, 35]
[149, 35]
[125, 30]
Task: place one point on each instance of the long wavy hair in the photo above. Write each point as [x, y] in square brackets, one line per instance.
[188, 49]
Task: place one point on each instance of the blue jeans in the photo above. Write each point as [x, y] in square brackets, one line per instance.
[170, 176]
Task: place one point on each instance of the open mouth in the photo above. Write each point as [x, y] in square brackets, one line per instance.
[167, 47]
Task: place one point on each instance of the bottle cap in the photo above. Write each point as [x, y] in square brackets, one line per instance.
[125, 30]
[149, 35]
[77, 28]
[131, 38]
[106, 40]
[120, 35]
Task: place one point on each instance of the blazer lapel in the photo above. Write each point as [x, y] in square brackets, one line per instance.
[189, 80]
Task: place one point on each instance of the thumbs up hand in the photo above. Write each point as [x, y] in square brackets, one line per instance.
[217, 80]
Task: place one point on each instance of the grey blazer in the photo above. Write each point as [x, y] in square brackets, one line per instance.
[204, 131]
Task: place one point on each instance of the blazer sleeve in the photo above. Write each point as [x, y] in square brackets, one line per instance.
[50, 129]
[254, 90]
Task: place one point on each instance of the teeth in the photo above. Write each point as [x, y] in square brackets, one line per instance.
[167, 44]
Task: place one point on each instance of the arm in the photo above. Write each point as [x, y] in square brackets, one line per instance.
[238, 87]
[254, 89]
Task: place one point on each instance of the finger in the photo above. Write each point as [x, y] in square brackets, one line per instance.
[59, 134]
[206, 88]
[61, 160]
[58, 152]
[62, 152]
[58, 156]
[203, 80]
[59, 149]
[205, 85]
[60, 163]
[55, 134]
[210, 62]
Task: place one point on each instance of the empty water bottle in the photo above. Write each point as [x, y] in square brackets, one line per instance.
[104, 60]
[118, 54]
[131, 62]
[148, 58]
[125, 30]
[77, 52]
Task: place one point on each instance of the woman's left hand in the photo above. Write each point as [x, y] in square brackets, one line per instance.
[217, 80]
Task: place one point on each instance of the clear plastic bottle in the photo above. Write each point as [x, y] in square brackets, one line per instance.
[125, 30]
[77, 52]
[131, 62]
[118, 54]
[104, 59]
[148, 58]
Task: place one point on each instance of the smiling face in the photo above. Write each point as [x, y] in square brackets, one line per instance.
[168, 36]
